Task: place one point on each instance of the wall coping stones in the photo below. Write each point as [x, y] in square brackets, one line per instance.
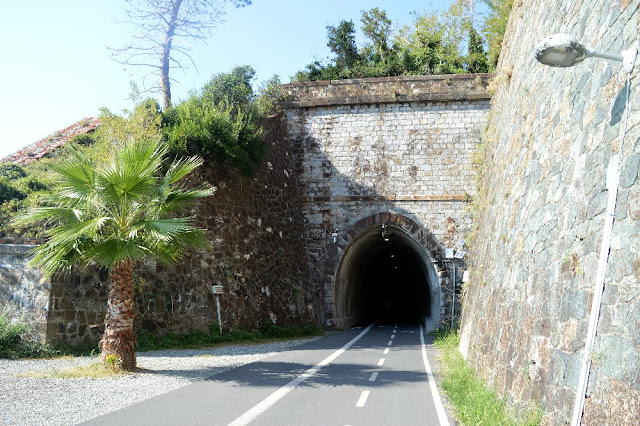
[424, 88]
[394, 197]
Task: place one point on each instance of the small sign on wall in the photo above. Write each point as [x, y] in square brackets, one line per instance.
[217, 289]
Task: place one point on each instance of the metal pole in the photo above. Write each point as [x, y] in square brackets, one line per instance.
[453, 295]
[219, 319]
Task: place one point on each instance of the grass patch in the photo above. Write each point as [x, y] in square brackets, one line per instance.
[96, 370]
[473, 401]
[196, 339]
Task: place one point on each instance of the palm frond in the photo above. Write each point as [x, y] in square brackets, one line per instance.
[181, 168]
[76, 176]
[58, 214]
[115, 250]
[69, 233]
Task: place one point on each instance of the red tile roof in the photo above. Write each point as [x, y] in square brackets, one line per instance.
[47, 145]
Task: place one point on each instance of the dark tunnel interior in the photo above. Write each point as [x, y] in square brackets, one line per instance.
[389, 282]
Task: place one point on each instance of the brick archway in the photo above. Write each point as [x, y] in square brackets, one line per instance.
[358, 297]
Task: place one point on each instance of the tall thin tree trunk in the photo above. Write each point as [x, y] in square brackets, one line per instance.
[165, 60]
[118, 336]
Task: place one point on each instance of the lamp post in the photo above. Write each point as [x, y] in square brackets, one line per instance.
[563, 50]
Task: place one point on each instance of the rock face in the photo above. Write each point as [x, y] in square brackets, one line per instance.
[541, 212]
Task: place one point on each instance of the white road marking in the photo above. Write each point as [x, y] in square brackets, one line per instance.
[262, 406]
[381, 361]
[373, 377]
[363, 399]
[390, 342]
[442, 415]
[393, 336]
[386, 351]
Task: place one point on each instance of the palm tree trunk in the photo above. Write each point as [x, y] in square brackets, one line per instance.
[118, 336]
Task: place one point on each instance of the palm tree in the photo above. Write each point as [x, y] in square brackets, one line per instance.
[113, 213]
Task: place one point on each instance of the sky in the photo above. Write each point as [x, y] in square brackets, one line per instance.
[55, 68]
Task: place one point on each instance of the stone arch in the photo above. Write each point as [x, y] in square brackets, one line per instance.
[418, 250]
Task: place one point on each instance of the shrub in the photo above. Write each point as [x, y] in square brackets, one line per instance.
[8, 192]
[17, 341]
[12, 171]
[216, 132]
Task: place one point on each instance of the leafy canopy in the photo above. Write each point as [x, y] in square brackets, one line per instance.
[118, 210]
[435, 43]
[221, 122]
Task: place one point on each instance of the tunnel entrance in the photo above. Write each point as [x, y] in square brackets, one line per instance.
[386, 275]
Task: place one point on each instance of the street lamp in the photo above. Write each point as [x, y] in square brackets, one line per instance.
[564, 50]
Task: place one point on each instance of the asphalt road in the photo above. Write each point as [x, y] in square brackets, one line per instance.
[375, 375]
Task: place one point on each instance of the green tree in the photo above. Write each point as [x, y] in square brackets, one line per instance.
[376, 26]
[495, 26]
[341, 39]
[477, 58]
[113, 214]
[231, 88]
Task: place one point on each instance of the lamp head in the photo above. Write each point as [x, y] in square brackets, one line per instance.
[560, 50]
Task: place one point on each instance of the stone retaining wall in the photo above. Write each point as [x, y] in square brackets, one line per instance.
[541, 214]
[257, 253]
[23, 294]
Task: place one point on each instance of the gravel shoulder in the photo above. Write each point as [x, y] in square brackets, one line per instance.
[55, 401]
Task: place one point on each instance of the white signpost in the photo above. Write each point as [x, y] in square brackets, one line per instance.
[218, 290]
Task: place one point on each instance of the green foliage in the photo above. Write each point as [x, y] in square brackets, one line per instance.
[477, 61]
[341, 40]
[146, 340]
[84, 139]
[495, 26]
[16, 341]
[117, 210]
[270, 95]
[433, 44]
[376, 26]
[8, 192]
[221, 123]
[11, 171]
[232, 90]
[473, 401]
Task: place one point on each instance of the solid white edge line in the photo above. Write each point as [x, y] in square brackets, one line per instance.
[263, 405]
[442, 415]
[363, 399]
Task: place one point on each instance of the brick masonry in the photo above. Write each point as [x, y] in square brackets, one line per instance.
[543, 198]
[360, 153]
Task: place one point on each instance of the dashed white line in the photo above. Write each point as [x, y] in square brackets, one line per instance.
[373, 377]
[390, 342]
[363, 399]
[262, 406]
[381, 361]
[393, 336]
[386, 351]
